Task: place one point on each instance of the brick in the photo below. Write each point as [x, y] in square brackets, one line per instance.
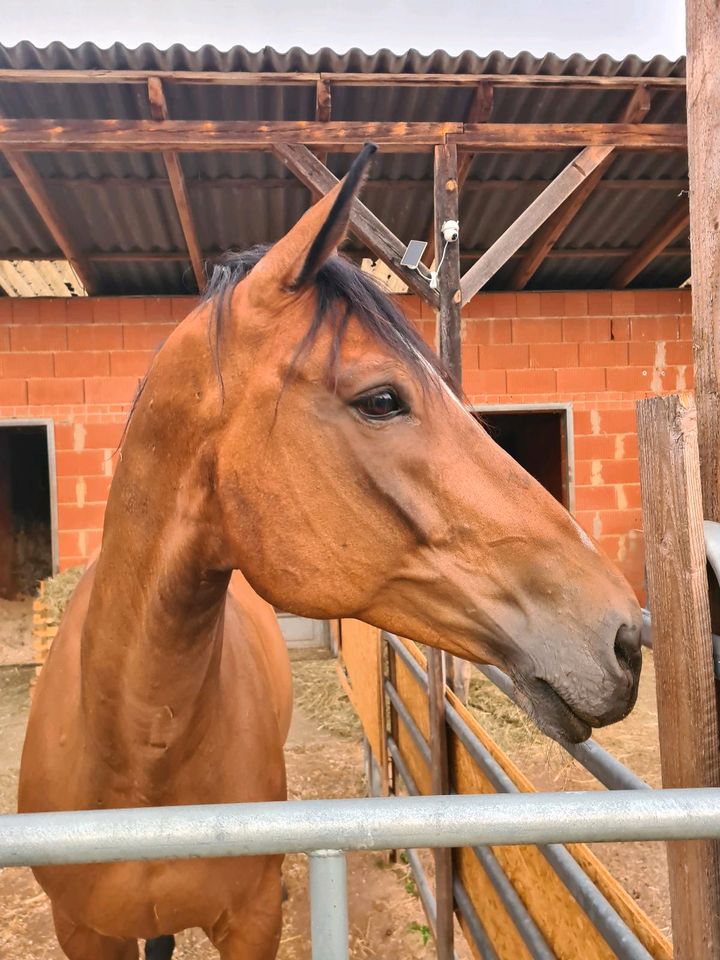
[607, 354]
[26, 365]
[553, 355]
[488, 331]
[110, 389]
[146, 336]
[4, 337]
[67, 489]
[469, 356]
[38, 338]
[82, 363]
[620, 328]
[685, 325]
[485, 382]
[581, 379]
[80, 463]
[103, 435]
[670, 301]
[610, 546]
[55, 390]
[585, 329]
[583, 422]
[53, 310]
[159, 310]
[528, 305]
[621, 521]
[531, 381]
[6, 310]
[678, 352]
[64, 436]
[136, 363]
[503, 305]
[95, 337]
[642, 353]
[106, 310]
[183, 306]
[630, 494]
[26, 310]
[97, 489]
[629, 379]
[586, 519]
[79, 310]
[623, 303]
[655, 328]
[621, 471]
[595, 448]
[595, 498]
[68, 544]
[552, 304]
[93, 541]
[583, 472]
[502, 356]
[541, 330]
[72, 517]
[647, 302]
[131, 309]
[599, 303]
[618, 421]
[576, 303]
[13, 391]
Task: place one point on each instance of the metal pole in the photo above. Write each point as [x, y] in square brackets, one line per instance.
[328, 905]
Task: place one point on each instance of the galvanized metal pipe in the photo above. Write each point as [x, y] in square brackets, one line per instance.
[328, 905]
[230, 830]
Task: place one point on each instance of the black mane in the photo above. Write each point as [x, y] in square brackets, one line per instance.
[343, 290]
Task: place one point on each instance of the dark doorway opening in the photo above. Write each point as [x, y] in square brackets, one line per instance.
[26, 553]
[538, 440]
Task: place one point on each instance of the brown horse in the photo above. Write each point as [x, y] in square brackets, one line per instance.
[296, 429]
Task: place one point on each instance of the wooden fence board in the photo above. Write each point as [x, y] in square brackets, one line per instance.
[362, 659]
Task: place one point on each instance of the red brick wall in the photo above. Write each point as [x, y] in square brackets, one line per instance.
[79, 362]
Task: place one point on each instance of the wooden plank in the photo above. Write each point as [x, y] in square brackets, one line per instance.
[32, 184]
[439, 771]
[683, 654]
[563, 186]
[399, 137]
[554, 227]
[248, 78]
[660, 238]
[212, 135]
[290, 183]
[363, 223]
[159, 111]
[362, 659]
[323, 111]
[449, 332]
[703, 41]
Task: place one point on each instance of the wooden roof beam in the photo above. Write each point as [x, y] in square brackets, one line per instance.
[159, 111]
[368, 228]
[547, 236]
[563, 186]
[660, 238]
[247, 78]
[119, 136]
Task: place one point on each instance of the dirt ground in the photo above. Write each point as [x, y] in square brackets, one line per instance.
[324, 760]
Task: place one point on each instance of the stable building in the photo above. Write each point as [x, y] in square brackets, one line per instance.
[565, 301]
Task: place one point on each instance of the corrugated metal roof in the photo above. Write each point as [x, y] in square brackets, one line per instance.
[116, 218]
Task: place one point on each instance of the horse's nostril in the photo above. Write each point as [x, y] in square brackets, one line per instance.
[627, 647]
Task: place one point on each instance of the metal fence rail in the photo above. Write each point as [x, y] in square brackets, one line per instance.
[325, 828]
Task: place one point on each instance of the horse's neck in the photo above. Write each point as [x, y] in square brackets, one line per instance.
[152, 637]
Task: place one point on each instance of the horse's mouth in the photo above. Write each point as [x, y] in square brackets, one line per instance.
[553, 715]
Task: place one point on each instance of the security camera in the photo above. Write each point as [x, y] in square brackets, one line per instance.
[450, 230]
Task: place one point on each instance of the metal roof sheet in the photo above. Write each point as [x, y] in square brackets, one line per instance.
[120, 218]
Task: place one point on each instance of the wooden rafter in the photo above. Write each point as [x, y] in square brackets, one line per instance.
[176, 178]
[479, 111]
[290, 183]
[563, 186]
[660, 238]
[323, 112]
[547, 236]
[371, 231]
[232, 135]
[36, 191]
[241, 78]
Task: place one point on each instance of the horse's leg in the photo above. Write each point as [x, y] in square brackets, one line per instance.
[79, 943]
[160, 948]
[254, 932]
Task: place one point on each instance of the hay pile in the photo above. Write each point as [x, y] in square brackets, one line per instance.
[318, 692]
[57, 592]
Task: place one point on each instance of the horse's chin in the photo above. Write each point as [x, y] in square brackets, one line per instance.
[550, 712]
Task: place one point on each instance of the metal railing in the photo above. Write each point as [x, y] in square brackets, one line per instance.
[325, 829]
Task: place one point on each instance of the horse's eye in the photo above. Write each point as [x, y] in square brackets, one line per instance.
[381, 405]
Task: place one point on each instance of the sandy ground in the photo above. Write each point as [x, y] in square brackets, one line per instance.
[15, 627]
[386, 918]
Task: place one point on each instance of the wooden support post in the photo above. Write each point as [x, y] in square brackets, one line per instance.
[159, 110]
[444, 933]
[703, 98]
[682, 648]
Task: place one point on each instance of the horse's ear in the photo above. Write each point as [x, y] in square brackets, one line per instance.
[295, 260]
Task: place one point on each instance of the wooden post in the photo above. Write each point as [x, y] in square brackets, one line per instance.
[682, 647]
[449, 348]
